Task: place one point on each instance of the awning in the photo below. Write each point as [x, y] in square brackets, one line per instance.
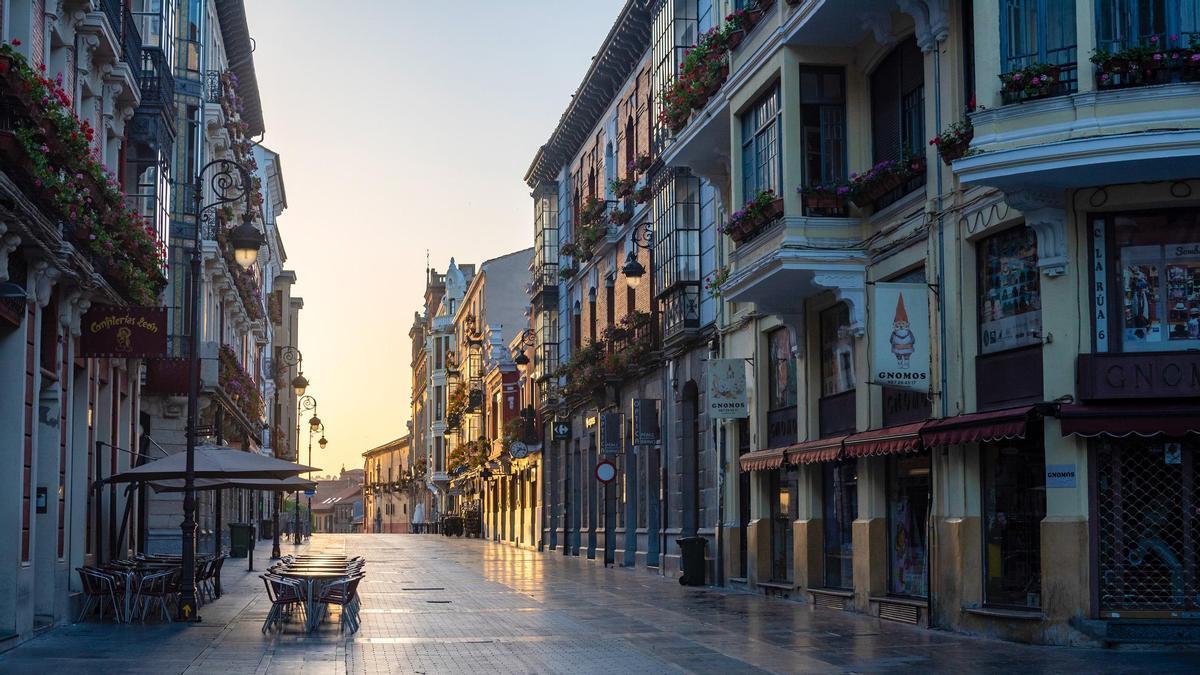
[820, 450]
[888, 441]
[1133, 418]
[995, 425]
[762, 460]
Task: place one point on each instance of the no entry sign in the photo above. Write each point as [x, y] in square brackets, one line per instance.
[606, 471]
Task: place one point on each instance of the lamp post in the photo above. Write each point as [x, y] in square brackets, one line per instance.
[230, 183]
[305, 404]
[641, 237]
[288, 356]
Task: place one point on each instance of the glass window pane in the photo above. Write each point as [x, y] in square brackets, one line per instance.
[908, 524]
[1014, 505]
[837, 351]
[781, 379]
[1159, 268]
[840, 505]
[1010, 301]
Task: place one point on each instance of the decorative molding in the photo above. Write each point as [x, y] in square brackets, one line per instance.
[9, 241]
[851, 288]
[1046, 213]
[878, 22]
[42, 277]
[931, 20]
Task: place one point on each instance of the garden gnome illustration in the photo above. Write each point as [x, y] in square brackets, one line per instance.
[903, 341]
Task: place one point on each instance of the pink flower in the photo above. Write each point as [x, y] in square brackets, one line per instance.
[1154, 39]
[1158, 57]
[1016, 77]
[1196, 57]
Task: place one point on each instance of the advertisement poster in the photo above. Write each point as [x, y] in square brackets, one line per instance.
[727, 389]
[1009, 291]
[900, 336]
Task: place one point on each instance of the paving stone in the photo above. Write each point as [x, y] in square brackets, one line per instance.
[438, 605]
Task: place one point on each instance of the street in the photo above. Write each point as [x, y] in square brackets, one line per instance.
[438, 605]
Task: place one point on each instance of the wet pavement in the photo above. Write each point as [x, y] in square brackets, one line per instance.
[438, 605]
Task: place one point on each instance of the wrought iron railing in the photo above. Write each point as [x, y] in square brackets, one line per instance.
[113, 10]
[131, 40]
[157, 82]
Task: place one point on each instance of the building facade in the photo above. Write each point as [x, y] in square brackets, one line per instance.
[391, 487]
[962, 332]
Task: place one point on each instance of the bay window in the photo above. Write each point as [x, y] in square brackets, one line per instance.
[1039, 32]
[677, 252]
[1128, 23]
[762, 163]
[823, 115]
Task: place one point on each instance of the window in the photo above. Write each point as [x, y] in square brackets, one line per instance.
[781, 379]
[823, 111]
[1159, 277]
[785, 504]
[908, 524]
[1126, 23]
[761, 159]
[545, 236]
[837, 351]
[677, 252]
[1014, 504]
[840, 496]
[1039, 31]
[1010, 300]
[674, 31]
[898, 103]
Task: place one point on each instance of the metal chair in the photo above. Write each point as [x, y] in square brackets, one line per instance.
[160, 587]
[285, 596]
[97, 585]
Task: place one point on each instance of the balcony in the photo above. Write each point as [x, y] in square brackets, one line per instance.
[780, 267]
[543, 291]
[1086, 139]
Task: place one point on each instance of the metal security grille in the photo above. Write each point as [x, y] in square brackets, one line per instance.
[1148, 513]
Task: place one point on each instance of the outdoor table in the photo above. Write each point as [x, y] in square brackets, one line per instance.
[311, 578]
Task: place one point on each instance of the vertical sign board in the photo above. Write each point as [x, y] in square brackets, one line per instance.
[611, 432]
[900, 336]
[727, 389]
[646, 430]
[1100, 284]
[562, 429]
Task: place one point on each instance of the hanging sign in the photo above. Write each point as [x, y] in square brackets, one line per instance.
[645, 421]
[562, 429]
[900, 346]
[611, 426]
[727, 389]
[123, 332]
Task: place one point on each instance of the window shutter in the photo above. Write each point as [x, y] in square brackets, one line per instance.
[885, 108]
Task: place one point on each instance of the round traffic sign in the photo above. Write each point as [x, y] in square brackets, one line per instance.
[606, 471]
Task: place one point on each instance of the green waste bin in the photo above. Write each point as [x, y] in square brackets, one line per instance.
[691, 555]
[241, 538]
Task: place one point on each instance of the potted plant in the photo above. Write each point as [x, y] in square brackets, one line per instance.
[642, 163]
[885, 176]
[1037, 80]
[621, 216]
[712, 283]
[763, 209]
[954, 142]
[622, 187]
[832, 195]
[642, 194]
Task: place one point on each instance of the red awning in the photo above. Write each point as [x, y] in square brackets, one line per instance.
[995, 425]
[888, 441]
[820, 450]
[762, 460]
[1133, 418]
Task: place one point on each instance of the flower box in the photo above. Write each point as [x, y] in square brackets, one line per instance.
[954, 142]
[956, 150]
[1037, 80]
[884, 177]
[759, 212]
[643, 194]
[621, 216]
[817, 200]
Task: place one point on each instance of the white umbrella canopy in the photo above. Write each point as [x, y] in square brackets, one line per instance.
[269, 484]
[212, 461]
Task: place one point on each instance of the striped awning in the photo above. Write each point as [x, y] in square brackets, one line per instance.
[895, 440]
[996, 425]
[762, 460]
[820, 450]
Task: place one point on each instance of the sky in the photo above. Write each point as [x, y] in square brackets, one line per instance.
[403, 127]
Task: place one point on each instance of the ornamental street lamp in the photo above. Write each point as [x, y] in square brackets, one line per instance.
[288, 356]
[304, 404]
[230, 183]
[641, 237]
[246, 240]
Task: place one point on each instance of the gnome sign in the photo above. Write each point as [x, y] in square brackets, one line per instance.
[900, 347]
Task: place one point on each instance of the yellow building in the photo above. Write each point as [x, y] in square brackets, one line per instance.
[1014, 460]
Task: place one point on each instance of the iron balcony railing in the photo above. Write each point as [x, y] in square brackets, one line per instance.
[157, 82]
[131, 40]
[113, 9]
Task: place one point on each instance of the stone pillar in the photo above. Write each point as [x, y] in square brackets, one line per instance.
[632, 459]
[869, 533]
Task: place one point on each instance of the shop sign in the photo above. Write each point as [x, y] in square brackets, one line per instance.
[1060, 475]
[611, 426]
[1100, 284]
[727, 389]
[562, 429]
[645, 421]
[1138, 375]
[900, 346]
[123, 332]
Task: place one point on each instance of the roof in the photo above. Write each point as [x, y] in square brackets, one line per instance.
[239, 48]
[619, 54]
[395, 444]
[331, 497]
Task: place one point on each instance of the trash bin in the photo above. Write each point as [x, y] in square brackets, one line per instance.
[265, 529]
[241, 537]
[691, 555]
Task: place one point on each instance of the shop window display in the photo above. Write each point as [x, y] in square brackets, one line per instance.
[1014, 505]
[837, 351]
[840, 493]
[1159, 279]
[908, 524]
[1010, 300]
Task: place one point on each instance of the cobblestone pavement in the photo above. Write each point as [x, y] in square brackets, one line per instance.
[437, 605]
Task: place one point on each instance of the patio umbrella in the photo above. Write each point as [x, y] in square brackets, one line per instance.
[293, 484]
[212, 461]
